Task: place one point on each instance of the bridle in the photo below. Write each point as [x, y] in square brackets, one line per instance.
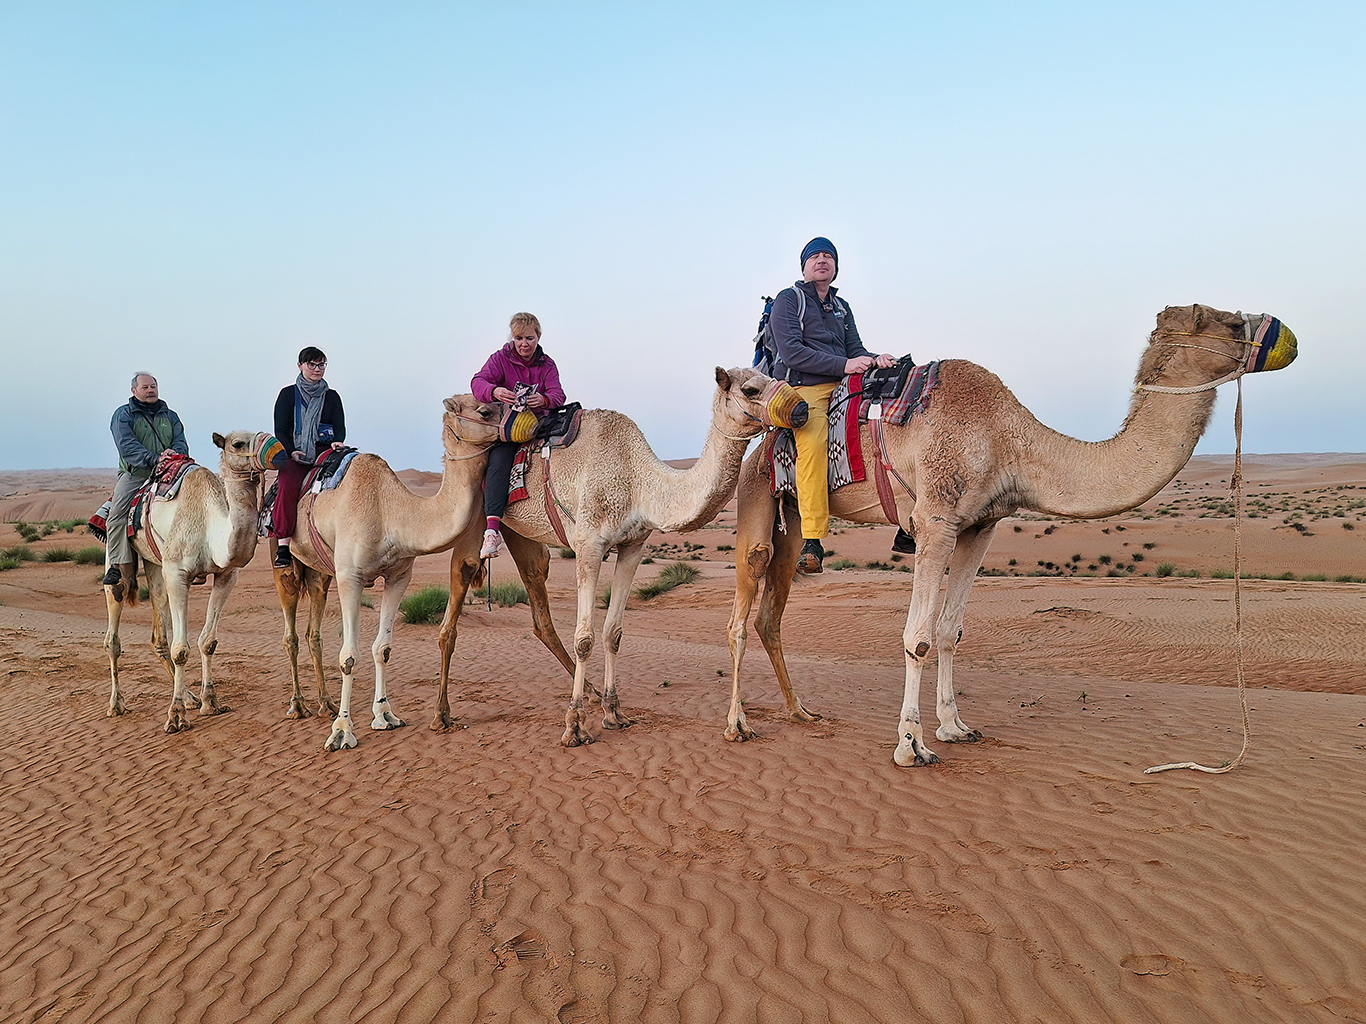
[1244, 359]
[482, 448]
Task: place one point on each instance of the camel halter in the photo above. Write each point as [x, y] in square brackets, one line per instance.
[1267, 345]
[482, 449]
[779, 400]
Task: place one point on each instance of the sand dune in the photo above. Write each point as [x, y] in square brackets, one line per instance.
[238, 872]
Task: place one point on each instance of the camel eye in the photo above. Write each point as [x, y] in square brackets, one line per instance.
[751, 391]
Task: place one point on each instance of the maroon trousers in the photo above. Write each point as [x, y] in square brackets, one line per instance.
[285, 511]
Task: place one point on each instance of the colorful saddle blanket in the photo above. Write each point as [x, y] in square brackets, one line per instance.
[164, 482]
[327, 472]
[893, 395]
[559, 428]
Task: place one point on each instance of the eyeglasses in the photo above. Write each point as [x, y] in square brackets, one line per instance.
[316, 365]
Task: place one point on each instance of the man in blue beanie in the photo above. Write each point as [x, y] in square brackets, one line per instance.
[818, 343]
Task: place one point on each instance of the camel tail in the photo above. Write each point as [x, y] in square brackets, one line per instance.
[130, 592]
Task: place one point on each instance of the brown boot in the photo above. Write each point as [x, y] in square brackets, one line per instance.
[809, 561]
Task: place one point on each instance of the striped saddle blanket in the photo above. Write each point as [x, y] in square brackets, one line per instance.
[894, 395]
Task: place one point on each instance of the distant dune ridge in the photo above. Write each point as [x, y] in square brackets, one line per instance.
[236, 872]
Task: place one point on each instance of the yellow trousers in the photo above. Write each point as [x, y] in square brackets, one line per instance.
[813, 461]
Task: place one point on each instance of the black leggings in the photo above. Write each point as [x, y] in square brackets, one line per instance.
[496, 477]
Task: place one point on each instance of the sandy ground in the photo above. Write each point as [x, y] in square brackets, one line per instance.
[238, 872]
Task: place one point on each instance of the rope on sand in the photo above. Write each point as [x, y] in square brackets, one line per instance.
[1237, 599]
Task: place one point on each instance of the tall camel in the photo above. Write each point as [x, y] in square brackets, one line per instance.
[614, 493]
[975, 456]
[208, 527]
[371, 525]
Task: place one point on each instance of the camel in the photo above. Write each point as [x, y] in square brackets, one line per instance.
[208, 527]
[371, 525]
[614, 493]
[975, 456]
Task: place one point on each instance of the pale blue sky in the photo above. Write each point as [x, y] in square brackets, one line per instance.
[201, 189]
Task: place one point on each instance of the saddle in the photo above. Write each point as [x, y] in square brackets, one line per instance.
[326, 473]
[878, 396]
[559, 428]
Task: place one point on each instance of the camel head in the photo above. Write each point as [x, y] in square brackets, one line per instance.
[751, 402]
[469, 422]
[247, 453]
[1197, 346]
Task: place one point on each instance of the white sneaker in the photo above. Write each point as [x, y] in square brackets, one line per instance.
[493, 543]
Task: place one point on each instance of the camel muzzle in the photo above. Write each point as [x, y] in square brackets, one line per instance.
[1274, 346]
[799, 415]
[783, 406]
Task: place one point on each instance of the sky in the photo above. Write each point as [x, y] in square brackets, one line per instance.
[200, 190]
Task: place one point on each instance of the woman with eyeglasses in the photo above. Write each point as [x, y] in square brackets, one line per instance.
[308, 420]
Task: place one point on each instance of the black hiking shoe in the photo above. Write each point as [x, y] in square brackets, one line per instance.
[283, 559]
[903, 542]
[113, 577]
[809, 561]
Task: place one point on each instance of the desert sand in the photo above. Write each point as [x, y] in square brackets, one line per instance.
[238, 872]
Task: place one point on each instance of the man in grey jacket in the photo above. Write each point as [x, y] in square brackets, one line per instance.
[143, 429]
[818, 343]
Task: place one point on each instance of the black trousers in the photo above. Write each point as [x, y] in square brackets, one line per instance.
[496, 477]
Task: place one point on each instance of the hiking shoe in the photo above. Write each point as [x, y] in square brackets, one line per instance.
[113, 577]
[493, 543]
[903, 542]
[283, 559]
[809, 561]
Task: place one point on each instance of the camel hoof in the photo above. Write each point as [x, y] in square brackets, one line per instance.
[739, 733]
[214, 709]
[340, 740]
[175, 725]
[803, 715]
[386, 720]
[328, 708]
[619, 722]
[298, 709]
[191, 701]
[442, 723]
[115, 709]
[575, 738]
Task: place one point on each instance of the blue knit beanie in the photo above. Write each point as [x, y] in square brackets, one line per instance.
[819, 244]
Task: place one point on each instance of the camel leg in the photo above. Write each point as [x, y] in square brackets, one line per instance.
[935, 551]
[166, 603]
[223, 582]
[587, 566]
[967, 559]
[628, 561]
[754, 553]
[768, 622]
[161, 646]
[533, 564]
[114, 608]
[466, 571]
[395, 584]
[349, 591]
[318, 584]
[287, 589]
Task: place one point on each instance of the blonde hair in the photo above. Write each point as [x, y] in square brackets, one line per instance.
[521, 321]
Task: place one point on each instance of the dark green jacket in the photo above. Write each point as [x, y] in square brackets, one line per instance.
[142, 431]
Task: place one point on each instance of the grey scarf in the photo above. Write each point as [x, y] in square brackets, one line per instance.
[306, 425]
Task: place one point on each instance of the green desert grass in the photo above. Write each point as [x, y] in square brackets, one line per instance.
[505, 595]
[675, 574]
[425, 606]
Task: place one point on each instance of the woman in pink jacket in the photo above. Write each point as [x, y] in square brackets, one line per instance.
[519, 374]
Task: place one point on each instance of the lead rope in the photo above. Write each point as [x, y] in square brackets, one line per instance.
[1237, 599]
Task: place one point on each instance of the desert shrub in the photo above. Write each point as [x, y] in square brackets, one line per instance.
[21, 553]
[1115, 572]
[427, 605]
[1011, 562]
[648, 560]
[1190, 573]
[58, 555]
[1148, 545]
[6, 562]
[28, 532]
[1348, 526]
[879, 565]
[841, 563]
[675, 574]
[605, 596]
[1314, 577]
[1166, 568]
[505, 595]
[725, 547]
[1104, 559]
[91, 555]
[1136, 556]
[566, 552]
[1221, 574]
[1349, 578]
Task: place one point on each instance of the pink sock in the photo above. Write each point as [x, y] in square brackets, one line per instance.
[495, 523]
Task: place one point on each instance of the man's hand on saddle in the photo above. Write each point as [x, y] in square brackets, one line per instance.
[860, 363]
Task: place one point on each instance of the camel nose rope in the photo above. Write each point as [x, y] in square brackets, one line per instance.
[1247, 343]
[1237, 484]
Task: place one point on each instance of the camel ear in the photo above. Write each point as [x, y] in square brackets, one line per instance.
[219, 440]
[723, 380]
[450, 404]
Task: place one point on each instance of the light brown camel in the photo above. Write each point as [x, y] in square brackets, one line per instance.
[208, 527]
[612, 492]
[371, 525]
[975, 456]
